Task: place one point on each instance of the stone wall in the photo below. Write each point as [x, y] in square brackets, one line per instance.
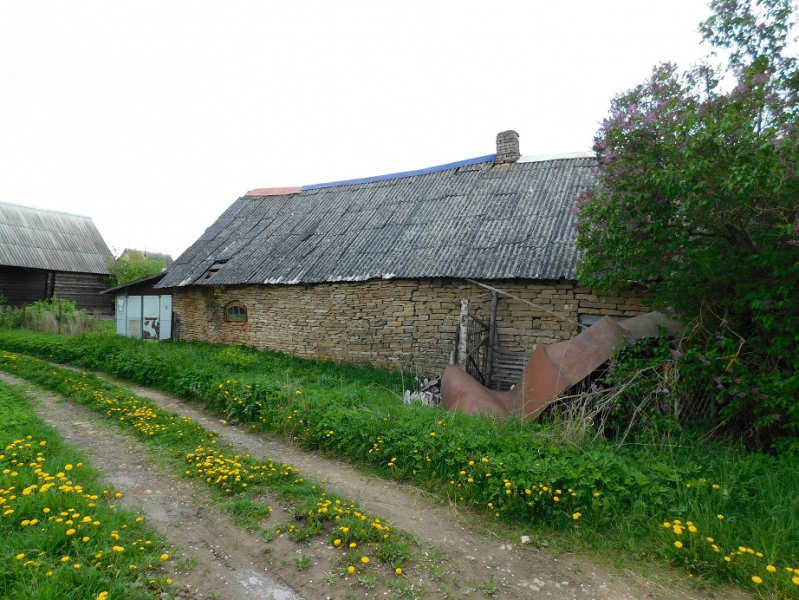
[409, 324]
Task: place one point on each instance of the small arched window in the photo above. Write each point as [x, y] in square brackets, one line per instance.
[236, 312]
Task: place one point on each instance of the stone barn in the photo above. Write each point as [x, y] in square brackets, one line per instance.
[46, 253]
[472, 262]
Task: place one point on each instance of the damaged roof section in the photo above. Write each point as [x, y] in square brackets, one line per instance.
[467, 219]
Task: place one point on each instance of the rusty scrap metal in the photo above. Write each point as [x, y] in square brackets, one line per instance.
[552, 368]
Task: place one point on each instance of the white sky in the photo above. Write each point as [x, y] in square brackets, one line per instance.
[153, 117]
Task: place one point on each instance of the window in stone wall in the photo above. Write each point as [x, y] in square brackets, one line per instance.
[593, 319]
[236, 312]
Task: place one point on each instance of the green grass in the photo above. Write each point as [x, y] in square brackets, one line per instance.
[609, 498]
[60, 523]
[237, 479]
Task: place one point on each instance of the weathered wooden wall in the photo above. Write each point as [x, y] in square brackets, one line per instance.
[22, 286]
[84, 289]
[25, 286]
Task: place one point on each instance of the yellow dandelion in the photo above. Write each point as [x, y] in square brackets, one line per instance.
[337, 543]
[350, 569]
[20, 556]
[577, 515]
[365, 559]
[757, 580]
[795, 580]
[678, 544]
[398, 571]
[165, 556]
[771, 569]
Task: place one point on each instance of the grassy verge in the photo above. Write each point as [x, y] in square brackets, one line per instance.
[63, 535]
[735, 513]
[368, 547]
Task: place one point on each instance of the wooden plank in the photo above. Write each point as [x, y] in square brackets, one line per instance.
[463, 334]
[492, 340]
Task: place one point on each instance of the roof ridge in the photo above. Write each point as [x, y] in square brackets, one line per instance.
[49, 210]
[401, 174]
[556, 156]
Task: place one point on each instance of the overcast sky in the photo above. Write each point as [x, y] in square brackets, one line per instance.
[153, 117]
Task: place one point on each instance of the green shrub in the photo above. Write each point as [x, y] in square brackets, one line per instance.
[49, 316]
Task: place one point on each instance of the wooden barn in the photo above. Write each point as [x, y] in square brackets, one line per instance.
[46, 253]
[392, 270]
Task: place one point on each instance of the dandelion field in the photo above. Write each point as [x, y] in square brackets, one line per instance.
[612, 499]
[64, 535]
[204, 461]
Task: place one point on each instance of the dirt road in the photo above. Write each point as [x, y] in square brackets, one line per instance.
[223, 561]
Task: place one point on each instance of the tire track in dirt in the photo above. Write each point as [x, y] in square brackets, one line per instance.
[230, 564]
[519, 571]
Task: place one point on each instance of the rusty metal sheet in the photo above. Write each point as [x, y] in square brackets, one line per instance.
[552, 368]
[276, 191]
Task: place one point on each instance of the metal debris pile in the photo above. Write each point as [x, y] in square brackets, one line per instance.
[427, 392]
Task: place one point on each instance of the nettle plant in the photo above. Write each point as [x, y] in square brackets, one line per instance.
[697, 200]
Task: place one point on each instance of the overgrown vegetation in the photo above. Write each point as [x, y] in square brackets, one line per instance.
[63, 534]
[608, 496]
[133, 265]
[50, 316]
[697, 200]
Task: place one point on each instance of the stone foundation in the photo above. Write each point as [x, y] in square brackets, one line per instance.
[408, 324]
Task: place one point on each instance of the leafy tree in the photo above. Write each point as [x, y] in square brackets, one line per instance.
[133, 265]
[697, 200]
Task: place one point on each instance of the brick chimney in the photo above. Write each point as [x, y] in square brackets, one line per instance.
[507, 148]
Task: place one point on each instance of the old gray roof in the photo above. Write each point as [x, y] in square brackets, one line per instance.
[47, 239]
[478, 221]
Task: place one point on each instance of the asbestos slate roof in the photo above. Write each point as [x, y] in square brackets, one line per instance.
[38, 238]
[478, 221]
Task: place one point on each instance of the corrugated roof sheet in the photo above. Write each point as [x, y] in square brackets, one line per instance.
[38, 238]
[479, 221]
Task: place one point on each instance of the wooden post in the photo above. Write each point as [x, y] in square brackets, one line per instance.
[492, 340]
[463, 334]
